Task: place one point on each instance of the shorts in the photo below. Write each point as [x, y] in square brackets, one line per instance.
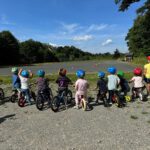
[147, 80]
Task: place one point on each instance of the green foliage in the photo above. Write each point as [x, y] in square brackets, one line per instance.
[124, 4]
[9, 47]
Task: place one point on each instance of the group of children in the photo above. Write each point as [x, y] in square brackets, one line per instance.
[20, 80]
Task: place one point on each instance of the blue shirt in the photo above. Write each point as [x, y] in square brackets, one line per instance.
[16, 81]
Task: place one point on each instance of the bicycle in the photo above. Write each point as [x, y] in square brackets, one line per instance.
[42, 97]
[63, 97]
[14, 96]
[140, 93]
[102, 96]
[2, 95]
[22, 98]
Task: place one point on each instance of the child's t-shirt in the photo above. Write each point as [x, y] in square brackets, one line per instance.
[42, 84]
[113, 81]
[81, 85]
[137, 81]
[147, 67]
[63, 81]
[16, 81]
[24, 83]
[102, 85]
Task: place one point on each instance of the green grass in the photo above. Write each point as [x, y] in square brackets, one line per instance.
[140, 61]
[91, 77]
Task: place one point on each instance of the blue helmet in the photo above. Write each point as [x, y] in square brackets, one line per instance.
[25, 73]
[112, 70]
[80, 73]
[41, 73]
[101, 74]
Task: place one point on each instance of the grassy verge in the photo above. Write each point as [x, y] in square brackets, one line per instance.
[91, 77]
[140, 61]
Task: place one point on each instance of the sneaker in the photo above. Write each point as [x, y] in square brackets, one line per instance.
[110, 103]
[76, 107]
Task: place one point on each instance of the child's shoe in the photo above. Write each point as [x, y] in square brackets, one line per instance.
[76, 107]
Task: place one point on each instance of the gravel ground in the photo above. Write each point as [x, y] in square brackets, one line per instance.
[99, 129]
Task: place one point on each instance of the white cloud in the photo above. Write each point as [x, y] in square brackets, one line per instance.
[70, 28]
[54, 45]
[4, 20]
[83, 38]
[95, 27]
[107, 42]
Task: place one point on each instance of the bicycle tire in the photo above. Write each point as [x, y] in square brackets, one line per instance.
[39, 102]
[84, 104]
[13, 98]
[116, 100]
[21, 102]
[69, 96]
[2, 95]
[55, 104]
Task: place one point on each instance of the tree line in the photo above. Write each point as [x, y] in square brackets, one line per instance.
[15, 52]
[138, 37]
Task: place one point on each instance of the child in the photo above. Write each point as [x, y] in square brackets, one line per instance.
[63, 81]
[42, 82]
[81, 87]
[15, 79]
[101, 85]
[24, 76]
[137, 82]
[147, 75]
[113, 82]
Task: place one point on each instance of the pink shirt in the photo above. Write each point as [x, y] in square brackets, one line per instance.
[137, 81]
[81, 85]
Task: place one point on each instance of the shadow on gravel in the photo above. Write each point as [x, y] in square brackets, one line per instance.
[5, 100]
[2, 119]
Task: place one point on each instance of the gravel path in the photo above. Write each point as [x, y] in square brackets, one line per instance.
[99, 129]
[89, 66]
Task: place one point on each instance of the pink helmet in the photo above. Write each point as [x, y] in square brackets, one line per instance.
[137, 71]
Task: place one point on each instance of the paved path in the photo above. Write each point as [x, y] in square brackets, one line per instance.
[89, 66]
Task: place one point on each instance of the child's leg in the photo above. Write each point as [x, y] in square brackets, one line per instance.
[27, 94]
[77, 99]
[111, 92]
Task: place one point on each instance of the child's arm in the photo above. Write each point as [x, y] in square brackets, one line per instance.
[19, 73]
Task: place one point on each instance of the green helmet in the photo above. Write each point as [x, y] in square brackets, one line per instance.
[120, 73]
[14, 70]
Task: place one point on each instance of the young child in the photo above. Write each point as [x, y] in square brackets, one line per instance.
[63, 81]
[42, 82]
[24, 76]
[124, 86]
[101, 85]
[15, 79]
[81, 86]
[137, 82]
[113, 82]
[147, 75]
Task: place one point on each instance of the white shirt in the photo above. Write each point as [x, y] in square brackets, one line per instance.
[24, 82]
[113, 81]
[137, 81]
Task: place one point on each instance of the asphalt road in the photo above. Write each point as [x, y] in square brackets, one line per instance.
[88, 66]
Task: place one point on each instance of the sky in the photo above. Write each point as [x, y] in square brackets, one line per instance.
[95, 26]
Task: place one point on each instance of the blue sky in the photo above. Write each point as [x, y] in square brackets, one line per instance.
[93, 25]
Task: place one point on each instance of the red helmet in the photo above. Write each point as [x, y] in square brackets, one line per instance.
[137, 71]
[148, 57]
[62, 71]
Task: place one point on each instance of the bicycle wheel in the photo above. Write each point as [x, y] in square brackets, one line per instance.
[69, 96]
[144, 91]
[33, 95]
[55, 104]
[1, 94]
[39, 102]
[127, 98]
[116, 99]
[21, 101]
[84, 104]
[13, 98]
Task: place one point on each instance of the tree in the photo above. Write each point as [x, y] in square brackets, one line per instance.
[116, 54]
[124, 4]
[9, 47]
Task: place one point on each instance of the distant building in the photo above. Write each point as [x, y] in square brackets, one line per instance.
[128, 57]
